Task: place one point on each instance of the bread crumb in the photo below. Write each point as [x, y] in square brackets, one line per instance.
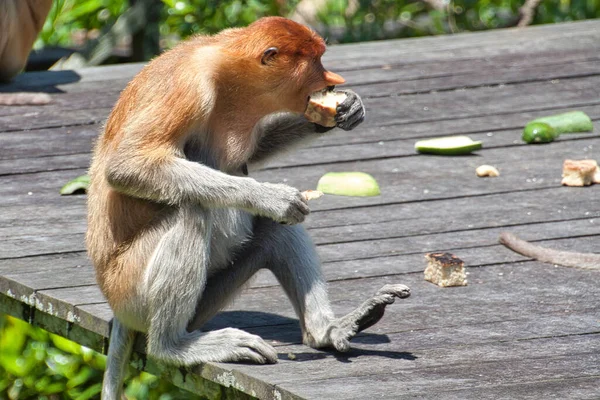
[445, 269]
[580, 173]
[312, 194]
[487, 170]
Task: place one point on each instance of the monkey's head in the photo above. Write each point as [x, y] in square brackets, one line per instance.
[284, 62]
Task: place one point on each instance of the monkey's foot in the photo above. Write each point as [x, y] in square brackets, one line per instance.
[223, 345]
[341, 330]
[238, 345]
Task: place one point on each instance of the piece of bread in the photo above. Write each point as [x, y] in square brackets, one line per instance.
[487, 170]
[580, 172]
[322, 107]
[445, 269]
[312, 194]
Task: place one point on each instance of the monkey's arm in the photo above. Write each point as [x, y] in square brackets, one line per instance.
[164, 175]
[281, 132]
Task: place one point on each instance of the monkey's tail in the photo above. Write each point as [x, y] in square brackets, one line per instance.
[544, 254]
[119, 353]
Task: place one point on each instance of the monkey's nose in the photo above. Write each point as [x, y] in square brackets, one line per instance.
[333, 78]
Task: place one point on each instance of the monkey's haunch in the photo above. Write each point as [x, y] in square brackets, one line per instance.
[544, 254]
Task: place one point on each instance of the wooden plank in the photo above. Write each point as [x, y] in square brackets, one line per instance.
[378, 82]
[350, 242]
[504, 291]
[82, 101]
[370, 142]
[389, 385]
[574, 388]
[19, 149]
[362, 223]
[525, 42]
[398, 70]
[411, 51]
[366, 360]
[523, 168]
[460, 174]
[45, 143]
[377, 131]
[421, 178]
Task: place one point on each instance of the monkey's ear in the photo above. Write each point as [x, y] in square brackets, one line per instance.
[269, 55]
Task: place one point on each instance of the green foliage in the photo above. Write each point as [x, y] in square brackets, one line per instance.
[185, 17]
[341, 20]
[37, 364]
[359, 20]
[69, 19]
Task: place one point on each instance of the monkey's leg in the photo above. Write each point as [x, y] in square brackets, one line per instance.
[119, 351]
[176, 279]
[293, 259]
[290, 254]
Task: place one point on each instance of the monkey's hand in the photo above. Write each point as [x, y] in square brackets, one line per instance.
[350, 112]
[281, 203]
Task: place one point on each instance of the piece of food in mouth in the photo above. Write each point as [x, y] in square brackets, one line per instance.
[322, 107]
[445, 269]
[580, 172]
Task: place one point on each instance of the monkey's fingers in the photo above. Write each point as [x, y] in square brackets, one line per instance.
[350, 112]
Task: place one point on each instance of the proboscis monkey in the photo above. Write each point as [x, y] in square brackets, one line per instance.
[175, 227]
[20, 23]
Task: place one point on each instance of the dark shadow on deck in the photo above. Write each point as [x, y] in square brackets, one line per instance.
[273, 327]
[43, 81]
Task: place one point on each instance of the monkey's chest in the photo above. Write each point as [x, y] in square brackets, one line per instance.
[231, 228]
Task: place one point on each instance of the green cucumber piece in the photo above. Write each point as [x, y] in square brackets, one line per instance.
[450, 145]
[77, 185]
[349, 184]
[574, 121]
[539, 132]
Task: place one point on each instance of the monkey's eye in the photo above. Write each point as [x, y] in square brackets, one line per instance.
[269, 55]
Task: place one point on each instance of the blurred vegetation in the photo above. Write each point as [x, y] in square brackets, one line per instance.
[35, 364]
[73, 21]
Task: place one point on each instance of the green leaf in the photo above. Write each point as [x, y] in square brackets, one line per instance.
[77, 185]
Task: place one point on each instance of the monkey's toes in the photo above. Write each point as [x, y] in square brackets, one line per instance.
[341, 344]
[397, 290]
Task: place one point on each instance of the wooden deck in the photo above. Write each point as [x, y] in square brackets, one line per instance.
[519, 330]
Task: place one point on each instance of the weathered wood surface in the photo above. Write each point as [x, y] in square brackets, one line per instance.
[521, 329]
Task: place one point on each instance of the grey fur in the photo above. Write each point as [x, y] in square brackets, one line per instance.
[218, 231]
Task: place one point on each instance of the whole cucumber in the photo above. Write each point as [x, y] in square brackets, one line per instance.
[539, 132]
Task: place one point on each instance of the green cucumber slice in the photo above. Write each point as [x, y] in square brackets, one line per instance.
[450, 145]
[539, 132]
[77, 185]
[349, 184]
[574, 121]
